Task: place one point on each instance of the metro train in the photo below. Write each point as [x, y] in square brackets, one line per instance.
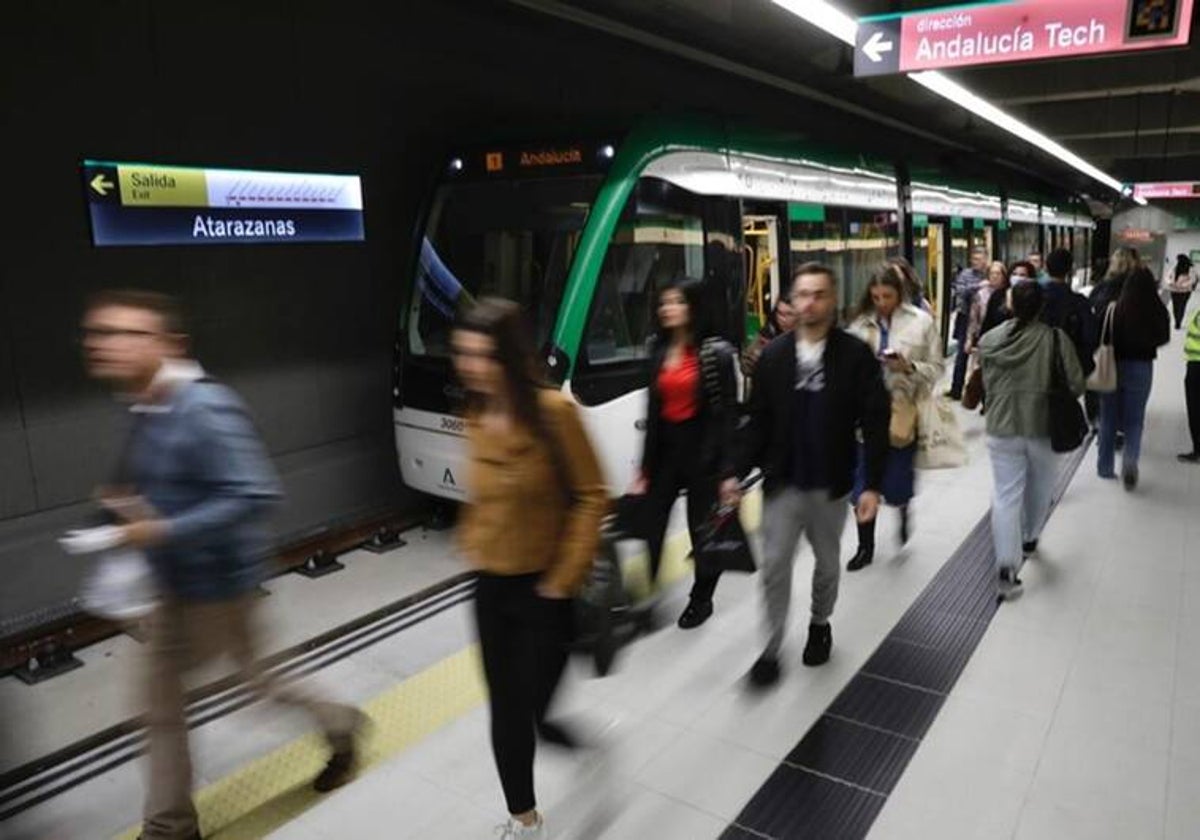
[583, 234]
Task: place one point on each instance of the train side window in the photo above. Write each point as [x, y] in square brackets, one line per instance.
[654, 242]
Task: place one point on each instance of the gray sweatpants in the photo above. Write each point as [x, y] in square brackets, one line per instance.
[787, 514]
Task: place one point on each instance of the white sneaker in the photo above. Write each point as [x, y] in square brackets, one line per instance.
[514, 829]
[1011, 587]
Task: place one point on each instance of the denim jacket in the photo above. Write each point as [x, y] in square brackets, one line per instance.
[197, 459]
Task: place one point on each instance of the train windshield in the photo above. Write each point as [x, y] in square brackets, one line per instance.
[512, 239]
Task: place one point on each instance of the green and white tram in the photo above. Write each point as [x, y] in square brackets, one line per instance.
[583, 235]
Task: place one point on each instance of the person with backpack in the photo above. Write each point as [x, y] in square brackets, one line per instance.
[691, 422]
[1140, 326]
[1018, 359]
[531, 527]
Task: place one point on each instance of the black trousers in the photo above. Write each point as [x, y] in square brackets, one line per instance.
[523, 638]
[1191, 386]
[959, 378]
[678, 471]
[1179, 302]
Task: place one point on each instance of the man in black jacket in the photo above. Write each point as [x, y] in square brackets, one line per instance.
[814, 388]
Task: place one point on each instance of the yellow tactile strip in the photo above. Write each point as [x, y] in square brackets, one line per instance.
[269, 792]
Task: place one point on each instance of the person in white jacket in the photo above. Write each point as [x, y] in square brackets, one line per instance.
[906, 341]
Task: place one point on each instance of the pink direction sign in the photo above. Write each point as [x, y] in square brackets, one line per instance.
[1017, 30]
[1169, 189]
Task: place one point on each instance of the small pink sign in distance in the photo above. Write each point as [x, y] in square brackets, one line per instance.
[1168, 189]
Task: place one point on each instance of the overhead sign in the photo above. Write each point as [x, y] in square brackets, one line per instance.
[1016, 30]
[1170, 189]
[148, 204]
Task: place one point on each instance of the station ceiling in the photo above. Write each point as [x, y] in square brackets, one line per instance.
[1135, 116]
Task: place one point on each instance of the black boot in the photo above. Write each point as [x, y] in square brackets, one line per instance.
[820, 640]
[866, 547]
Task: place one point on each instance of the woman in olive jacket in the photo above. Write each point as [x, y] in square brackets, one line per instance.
[1018, 358]
[531, 527]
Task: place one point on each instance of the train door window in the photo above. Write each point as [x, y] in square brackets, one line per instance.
[960, 245]
[660, 236]
[809, 232]
[934, 258]
[512, 239]
[872, 237]
[724, 267]
[760, 237]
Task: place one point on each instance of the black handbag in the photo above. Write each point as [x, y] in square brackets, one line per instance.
[605, 620]
[1068, 425]
[721, 545]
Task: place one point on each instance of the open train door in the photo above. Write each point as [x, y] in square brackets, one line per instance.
[765, 250]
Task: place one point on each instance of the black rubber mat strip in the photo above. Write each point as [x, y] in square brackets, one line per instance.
[835, 781]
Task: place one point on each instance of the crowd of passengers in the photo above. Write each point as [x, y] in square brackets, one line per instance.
[830, 422]
[838, 419]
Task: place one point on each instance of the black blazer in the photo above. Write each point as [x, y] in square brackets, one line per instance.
[717, 454]
[856, 399]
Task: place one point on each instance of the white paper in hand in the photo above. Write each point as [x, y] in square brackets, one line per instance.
[120, 586]
[91, 540]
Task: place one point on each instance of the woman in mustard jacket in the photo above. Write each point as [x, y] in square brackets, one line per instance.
[531, 527]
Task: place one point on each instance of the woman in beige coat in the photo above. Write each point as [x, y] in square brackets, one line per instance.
[906, 341]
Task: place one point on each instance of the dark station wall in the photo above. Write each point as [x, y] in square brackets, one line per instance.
[304, 332]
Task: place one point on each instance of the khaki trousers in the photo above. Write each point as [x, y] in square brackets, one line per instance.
[183, 635]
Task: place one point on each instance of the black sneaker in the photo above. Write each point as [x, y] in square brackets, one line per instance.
[1188, 457]
[765, 671]
[1011, 587]
[1028, 548]
[861, 559]
[820, 640]
[697, 613]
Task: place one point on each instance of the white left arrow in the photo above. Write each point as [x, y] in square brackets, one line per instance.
[876, 47]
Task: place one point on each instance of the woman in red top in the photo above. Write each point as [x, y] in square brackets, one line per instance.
[689, 439]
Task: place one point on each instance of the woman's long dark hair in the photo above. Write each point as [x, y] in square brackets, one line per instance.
[503, 322]
[1027, 302]
[1139, 302]
[885, 275]
[692, 291]
[902, 268]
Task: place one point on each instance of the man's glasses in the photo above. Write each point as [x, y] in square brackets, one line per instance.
[106, 333]
[472, 354]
